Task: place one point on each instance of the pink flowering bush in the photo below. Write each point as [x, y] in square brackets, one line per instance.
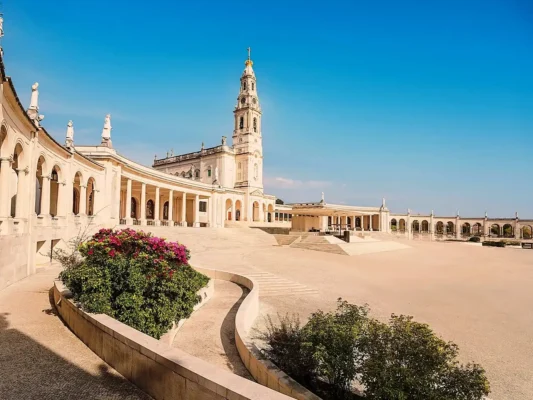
[140, 280]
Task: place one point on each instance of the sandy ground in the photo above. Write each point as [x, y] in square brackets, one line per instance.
[41, 359]
[478, 297]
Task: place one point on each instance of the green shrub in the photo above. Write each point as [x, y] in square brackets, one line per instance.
[494, 244]
[406, 360]
[475, 239]
[398, 360]
[140, 280]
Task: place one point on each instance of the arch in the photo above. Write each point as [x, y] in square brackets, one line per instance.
[255, 124]
[3, 138]
[78, 179]
[255, 215]
[241, 123]
[238, 210]
[349, 222]
[133, 208]
[425, 226]
[477, 229]
[150, 209]
[91, 193]
[394, 224]
[270, 208]
[17, 180]
[508, 231]
[165, 211]
[401, 225]
[450, 227]
[527, 232]
[40, 174]
[359, 222]
[466, 229]
[415, 226]
[55, 191]
[440, 228]
[228, 210]
[244, 85]
[495, 230]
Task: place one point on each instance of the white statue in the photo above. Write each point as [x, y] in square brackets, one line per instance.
[383, 202]
[224, 140]
[323, 201]
[106, 132]
[1, 27]
[34, 101]
[216, 174]
[69, 141]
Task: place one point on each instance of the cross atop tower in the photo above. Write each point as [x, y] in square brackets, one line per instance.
[249, 51]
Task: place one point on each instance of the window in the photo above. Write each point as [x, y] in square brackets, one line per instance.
[197, 174]
[255, 124]
[203, 206]
[209, 172]
[241, 122]
[253, 86]
[244, 86]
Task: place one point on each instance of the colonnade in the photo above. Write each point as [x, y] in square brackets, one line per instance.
[354, 223]
[146, 204]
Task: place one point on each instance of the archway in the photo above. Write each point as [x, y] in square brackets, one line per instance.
[508, 231]
[150, 209]
[17, 181]
[133, 208]
[255, 215]
[425, 226]
[394, 225]
[465, 229]
[229, 205]
[439, 227]
[238, 211]
[401, 225]
[55, 191]
[495, 230]
[477, 229]
[450, 227]
[39, 176]
[90, 197]
[527, 232]
[76, 193]
[270, 210]
[416, 226]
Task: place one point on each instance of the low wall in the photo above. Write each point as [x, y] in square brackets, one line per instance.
[263, 371]
[13, 259]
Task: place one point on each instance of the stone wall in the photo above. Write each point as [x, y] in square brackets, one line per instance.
[13, 259]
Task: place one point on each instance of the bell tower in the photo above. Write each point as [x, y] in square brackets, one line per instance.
[247, 139]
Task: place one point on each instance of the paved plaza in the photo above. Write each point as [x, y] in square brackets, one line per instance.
[478, 297]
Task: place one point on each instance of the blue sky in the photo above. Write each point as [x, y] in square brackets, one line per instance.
[429, 104]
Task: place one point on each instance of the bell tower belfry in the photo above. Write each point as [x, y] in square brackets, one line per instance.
[247, 139]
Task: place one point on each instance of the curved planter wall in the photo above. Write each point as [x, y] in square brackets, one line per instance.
[168, 373]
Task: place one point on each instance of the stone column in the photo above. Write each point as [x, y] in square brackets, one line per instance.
[129, 220]
[183, 221]
[196, 223]
[362, 223]
[5, 198]
[517, 229]
[370, 222]
[458, 228]
[45, 196]
[232, 212]
[171, 208]
[156, 207]
[143, 204]
[83, 200]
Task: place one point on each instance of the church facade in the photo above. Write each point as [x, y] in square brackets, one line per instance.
[236, 167]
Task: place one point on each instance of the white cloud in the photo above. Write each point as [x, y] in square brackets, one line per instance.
[287, 183]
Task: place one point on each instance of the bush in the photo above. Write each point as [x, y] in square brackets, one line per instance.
[475, 239]
[140, 280]
[398, 360]
[406, 360]
[494, 244]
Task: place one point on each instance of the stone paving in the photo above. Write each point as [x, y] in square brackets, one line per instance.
[41, 359]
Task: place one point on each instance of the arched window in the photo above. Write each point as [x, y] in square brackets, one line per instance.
[150, 209]
[75, 201]
[209, 172]
[253, 86]
[241, 122]
[197, 173]
[244, 86]
[255, 124]
[165, 210]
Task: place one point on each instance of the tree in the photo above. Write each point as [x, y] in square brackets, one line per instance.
[279, 201]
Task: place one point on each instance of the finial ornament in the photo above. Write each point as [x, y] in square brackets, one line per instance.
[1, 27]
[33, 110]
[203, 145]
[516, 214]
[249, 61]
[322, 201]
[224, 140]
[69, 140]
[485, 213]
[383, 202]
[106, 131]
